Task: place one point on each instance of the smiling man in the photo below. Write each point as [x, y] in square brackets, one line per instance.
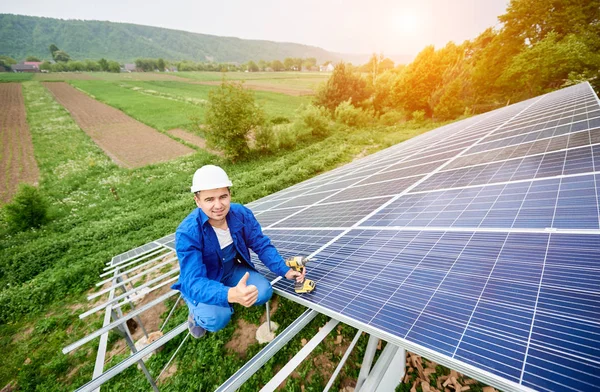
[212, 245]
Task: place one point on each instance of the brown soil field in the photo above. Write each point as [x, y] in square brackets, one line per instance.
[193, 139]
[128, 142]
[273, 88]
[17, 163]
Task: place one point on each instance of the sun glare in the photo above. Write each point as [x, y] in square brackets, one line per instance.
[406, 23]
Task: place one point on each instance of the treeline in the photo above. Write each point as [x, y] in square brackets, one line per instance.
[540, 47]
[288, 64]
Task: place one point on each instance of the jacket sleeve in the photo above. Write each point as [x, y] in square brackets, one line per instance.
[261, 245]
[196, 286]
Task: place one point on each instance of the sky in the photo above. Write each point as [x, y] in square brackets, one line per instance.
[399, 27]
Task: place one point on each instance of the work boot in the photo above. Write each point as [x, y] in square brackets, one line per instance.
[195, 330]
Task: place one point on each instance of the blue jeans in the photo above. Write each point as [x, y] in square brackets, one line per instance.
[215, 317]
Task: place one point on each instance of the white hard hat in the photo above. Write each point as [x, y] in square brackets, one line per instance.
[209, 177]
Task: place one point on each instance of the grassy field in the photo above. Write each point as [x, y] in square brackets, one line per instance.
[168, 105]
[46, 273]
[15, 77]
[217, 76]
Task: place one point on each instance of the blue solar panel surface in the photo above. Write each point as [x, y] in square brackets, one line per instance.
[476, 245]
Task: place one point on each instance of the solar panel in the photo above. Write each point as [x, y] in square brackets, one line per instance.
[476, 245]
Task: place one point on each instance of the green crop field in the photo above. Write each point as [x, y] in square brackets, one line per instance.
[166, 105]
[217, 76]
[46, 273]
[15, 77]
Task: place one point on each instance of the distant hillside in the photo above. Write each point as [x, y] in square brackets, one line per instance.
[22, 36]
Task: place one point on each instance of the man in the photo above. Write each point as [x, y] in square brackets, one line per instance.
[212, 246]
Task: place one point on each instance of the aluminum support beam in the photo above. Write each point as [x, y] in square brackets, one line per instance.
[342, 361]
[301, 356]
[129, 293]
[120, 367]
[367, 362]
[252, 366]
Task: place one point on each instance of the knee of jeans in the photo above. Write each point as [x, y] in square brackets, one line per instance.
[264, 294]
[217, 322]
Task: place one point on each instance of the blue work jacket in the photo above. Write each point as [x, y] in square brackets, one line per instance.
[201, 260]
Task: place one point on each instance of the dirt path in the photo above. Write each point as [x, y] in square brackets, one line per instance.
[266, 87]
[17, 163]
[128, 142]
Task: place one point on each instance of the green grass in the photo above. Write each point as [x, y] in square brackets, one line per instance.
[15, 77]
[166, 105]
[44, 272]
[158, 112]
[217, 76]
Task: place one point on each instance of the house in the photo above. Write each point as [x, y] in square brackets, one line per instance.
[326, 68]
[25, 68]
[34, 63]
[129, 68]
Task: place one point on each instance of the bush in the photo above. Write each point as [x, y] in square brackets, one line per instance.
[393, 117]
[316, 119]
[343, 84]
[230, 115]
[418, 115]
[265, 139]
[347, 114]
[286, 138]
[28, 209]
[280, 120]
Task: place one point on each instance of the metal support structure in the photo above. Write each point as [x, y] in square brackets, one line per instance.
[388, 371]
[120, 297]
[124, 332]
[170, 313]
[268, 314]
[173, 356]
[107, 327]
[301, 356]
[365, 367]
[120, 367]
[343, 361]
[252, 366]
[137, 317]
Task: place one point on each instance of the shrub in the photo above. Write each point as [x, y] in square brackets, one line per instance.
[393, 117]
[316, 119]
[286, 137]
[28, 209]
[418, 115]
[265, 139]
[343, 84]
[230, 115]
[280, 120]
[347, 114]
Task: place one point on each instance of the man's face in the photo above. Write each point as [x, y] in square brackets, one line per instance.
[214, 203]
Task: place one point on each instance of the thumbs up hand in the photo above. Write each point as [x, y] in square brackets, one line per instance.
[243, 294]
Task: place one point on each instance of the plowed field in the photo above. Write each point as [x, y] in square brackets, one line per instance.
[17, 163]
[126, 141]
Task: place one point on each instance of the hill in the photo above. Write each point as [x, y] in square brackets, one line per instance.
[22, 36]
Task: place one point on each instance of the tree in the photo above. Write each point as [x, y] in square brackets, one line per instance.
[160, 64]
[288, 63]
[53, 49]
[251, 66]
[342, 85]
[230, 115]
[103, 63]
[6, 63]
[113, 66]
[546, 65]
[33, 58]
[277, 65]
[61, 56]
